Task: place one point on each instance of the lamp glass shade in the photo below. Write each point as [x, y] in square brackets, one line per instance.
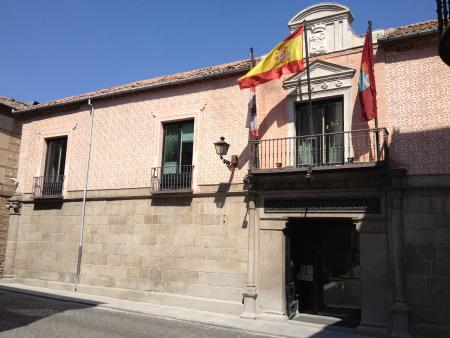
[221, 147]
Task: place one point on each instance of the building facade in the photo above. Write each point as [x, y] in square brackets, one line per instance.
[10, 130]
[121, 192]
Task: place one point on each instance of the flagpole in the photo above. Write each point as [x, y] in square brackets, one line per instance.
[252, 58]
[308, 79]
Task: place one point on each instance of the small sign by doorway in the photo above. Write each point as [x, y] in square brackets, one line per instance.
[306, 273]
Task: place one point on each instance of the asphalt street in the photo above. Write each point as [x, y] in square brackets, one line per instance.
[30, 316]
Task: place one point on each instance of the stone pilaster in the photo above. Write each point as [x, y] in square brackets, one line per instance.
[249, 310]
[14, 205]
[400, 310]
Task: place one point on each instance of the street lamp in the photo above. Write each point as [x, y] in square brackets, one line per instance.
[222, 149]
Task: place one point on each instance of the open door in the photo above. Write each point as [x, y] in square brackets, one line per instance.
[323, 269]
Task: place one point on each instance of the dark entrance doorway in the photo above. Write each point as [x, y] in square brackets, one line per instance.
[323, 270]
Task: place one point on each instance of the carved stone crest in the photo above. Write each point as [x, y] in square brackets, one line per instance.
[14, 207]
[318, 39]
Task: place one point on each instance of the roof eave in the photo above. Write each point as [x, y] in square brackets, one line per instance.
[135, 90]
[407, 36]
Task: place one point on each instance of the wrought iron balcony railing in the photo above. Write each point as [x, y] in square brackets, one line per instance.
[172, 178]
[347, 148]
[48, 186]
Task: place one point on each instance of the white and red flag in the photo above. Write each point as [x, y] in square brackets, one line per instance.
[254, 125]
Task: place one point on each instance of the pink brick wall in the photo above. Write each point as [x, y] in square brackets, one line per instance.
[31, 152]
[419, 110]
[127, 136]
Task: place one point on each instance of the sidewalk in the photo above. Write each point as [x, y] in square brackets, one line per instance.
[266, 327]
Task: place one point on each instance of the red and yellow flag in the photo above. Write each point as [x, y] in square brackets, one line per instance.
[285, 58]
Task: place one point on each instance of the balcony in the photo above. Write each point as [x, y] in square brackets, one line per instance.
[172, 179]
[48, 187]
[347, 149]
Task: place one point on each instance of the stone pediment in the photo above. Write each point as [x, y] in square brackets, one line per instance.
[326, 11]
[324, 76]
[329, 28]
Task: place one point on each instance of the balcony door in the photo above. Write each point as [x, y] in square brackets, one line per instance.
[55, 161]
[177, 155]
[325, 145]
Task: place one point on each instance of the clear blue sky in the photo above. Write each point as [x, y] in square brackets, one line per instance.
[56, 48]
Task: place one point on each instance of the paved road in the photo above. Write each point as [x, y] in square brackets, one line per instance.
[28, 316]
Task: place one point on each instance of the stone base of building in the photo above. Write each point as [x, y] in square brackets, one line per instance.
[400, 320]
[193, 251]
[190, 302]
[249, 310]
[423, 330]
[373, 330]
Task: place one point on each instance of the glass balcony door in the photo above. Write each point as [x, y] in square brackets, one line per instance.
[55, 161]
[325, 145]
[177, 155]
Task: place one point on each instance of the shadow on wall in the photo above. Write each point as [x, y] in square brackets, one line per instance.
[362, 143]
[425, 152]
[278, 115]
[18, 310]
[170, 200]
[47, 204]
[223, 188]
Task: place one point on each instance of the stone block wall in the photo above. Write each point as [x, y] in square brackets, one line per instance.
[175, 247]
[427, 244]
[4, 222]
[47, 243]
[10, 132]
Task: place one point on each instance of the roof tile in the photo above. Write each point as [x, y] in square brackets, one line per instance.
[413, 29]
[10, 102]
[193, 75]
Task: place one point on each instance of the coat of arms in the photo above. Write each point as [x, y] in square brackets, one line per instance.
[282, 55]
[318, 40]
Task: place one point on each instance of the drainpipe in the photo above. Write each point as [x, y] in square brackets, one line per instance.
[83, 210]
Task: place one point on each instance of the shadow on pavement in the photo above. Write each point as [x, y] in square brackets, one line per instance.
[18, 309]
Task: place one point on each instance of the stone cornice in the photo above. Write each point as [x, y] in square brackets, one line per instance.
[333, 76]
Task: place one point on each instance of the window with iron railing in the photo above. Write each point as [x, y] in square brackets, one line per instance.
[322, 141]
[175, 174]
[52, 183]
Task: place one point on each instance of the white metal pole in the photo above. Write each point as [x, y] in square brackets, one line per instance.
[83, 210]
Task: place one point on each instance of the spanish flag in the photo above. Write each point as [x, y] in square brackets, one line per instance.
[285, 58]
